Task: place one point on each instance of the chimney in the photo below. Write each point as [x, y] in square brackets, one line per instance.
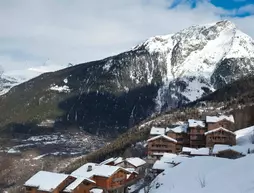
[89, 168]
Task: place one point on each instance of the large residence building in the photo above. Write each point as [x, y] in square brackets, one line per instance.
[194, 133]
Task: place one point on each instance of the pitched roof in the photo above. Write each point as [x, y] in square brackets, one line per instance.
[214, 119]
[218, 129]
[178, 129]
[162, 136]
[194, 151]
[96, 190]
[115, 160]
[76, 183]
[135, 161]
[157, 131]
[97, 170]
[237, 148]
[162, 165]
[196, 123]
[46, 181]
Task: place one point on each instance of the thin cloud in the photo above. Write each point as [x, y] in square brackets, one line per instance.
[83, 30]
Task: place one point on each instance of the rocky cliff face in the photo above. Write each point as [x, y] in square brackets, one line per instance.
[115, 93]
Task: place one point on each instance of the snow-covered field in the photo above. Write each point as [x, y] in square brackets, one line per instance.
[208, 174]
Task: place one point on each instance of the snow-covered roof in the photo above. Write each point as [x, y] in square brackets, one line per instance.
[76, 183]
[243, 136]
[238, 148]
[218, 129]
[194, 151]
[196, 123]
[97, 170]
[200, 151]
[214, 119]
[96, 190]
[135, 161]
[162, 136]
[46, 181]
[162, 165]
[178, 129]
[187, 149]
[115, 160]
[157, 131]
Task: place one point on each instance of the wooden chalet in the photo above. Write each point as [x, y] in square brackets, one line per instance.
[179, 133]
[161, 144]
[220, 136]
[227, 151]
[108, 178]
[196, 131]
[44, 181]
[214, 122]
[136, 163]
[114, 161]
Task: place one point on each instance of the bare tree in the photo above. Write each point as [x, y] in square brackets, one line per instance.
[202, 181]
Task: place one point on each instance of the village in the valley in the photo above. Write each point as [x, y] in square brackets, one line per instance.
[166, 147]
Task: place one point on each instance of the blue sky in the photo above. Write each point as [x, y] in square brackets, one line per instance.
[34, 31]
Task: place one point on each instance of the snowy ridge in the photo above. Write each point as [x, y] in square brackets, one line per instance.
[200, 52]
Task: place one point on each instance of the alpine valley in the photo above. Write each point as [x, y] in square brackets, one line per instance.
[114, 94]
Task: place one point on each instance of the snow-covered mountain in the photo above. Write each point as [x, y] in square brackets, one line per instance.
[200, 59]
[11, 78]
[120, 91]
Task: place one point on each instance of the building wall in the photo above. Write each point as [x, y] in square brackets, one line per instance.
[182, 140]
[220, 137]
[197, 137]
[223, 123]
[161, 145]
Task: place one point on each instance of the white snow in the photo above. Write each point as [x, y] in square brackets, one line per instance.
[162, 165]
[194, 151]
[207, 175]
[162, 136]
[46, 181]
[238, 148]
[13, 151]
[135, 161]
[157, 131]
[64, 88]
[39, 157]
[65, 80]
[98, 170]
[76, 183]
[214, 119]
[96, 190]
[196, 123]
[219, 129]
[243, 136]
[178, 129]
[115, 160]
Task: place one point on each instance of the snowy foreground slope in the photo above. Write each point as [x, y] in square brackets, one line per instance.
[207, 175]
[210, 174]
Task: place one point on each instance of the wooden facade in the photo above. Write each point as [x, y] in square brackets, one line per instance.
[220, 136]
[222, 123]
[115, 181]
[181, 138]
[161, 145]
[197, 137]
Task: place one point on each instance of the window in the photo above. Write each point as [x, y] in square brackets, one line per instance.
[29, 188]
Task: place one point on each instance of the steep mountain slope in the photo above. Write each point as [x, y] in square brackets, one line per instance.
[113, 94]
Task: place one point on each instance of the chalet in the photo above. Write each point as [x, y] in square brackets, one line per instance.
[214, 122]
[80, 185]
[227, 151]
[133, 175]
[196, 130]
[136, 163]
[109, 178]
[43, 182]
[155, 131]
[179, 133]
[160, 165]
[160, 144]
[220, 136]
